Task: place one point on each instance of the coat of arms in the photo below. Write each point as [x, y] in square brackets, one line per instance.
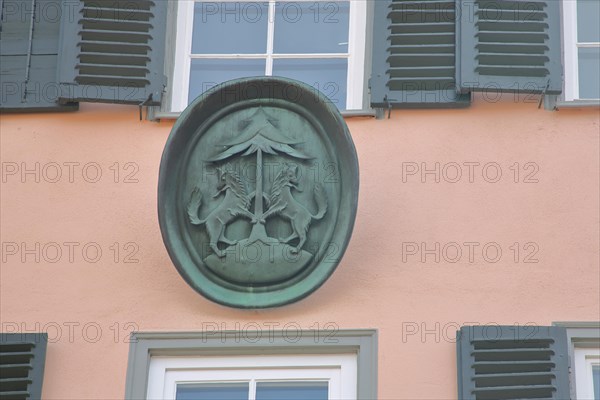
[258, 192]
[271, 258]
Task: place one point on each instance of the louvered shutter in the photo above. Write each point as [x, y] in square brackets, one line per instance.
[29, 37]
[414, 55]
[22, 358]
[512, 362]
[510, 45]
[113, 52]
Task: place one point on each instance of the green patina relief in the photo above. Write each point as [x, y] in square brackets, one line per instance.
[257, 192]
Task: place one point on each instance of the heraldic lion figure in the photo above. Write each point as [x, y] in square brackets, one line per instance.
[235, 204]
[283, 203]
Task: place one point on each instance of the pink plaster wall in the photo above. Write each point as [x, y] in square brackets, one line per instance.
[372, 288]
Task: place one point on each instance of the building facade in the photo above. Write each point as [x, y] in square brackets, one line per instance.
[473, 268]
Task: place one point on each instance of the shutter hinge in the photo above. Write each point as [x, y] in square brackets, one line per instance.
[143, 103]
[543, 94]
[388, 105]
[380, 111]
[29, 51]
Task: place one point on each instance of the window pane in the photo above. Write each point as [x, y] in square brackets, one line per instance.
[596, 378]
[589, 71]
[292, 390]
[588, 28]
[233, 27]
[326, 75]
[205, 74]
[212, 391]
[312, 27]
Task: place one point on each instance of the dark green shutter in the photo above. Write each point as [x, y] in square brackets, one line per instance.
[22, 358]
[113, 51]
[510, 45]
[512, 362]
[414, 55]
[29, 37]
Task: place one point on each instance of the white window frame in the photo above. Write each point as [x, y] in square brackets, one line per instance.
[583, 340]
[361, 343]
[357, 39]
[584, 360]
[339, 370]
[571, 48]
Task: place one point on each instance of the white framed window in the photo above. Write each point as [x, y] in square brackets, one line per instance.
[263, 364]
[587, 373]
[581, 44]
[583, 341]
[257, 377]
[321, 43]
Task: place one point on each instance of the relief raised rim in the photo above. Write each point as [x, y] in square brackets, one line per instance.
[190, 127]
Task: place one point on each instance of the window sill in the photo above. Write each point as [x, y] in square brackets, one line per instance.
[578, 103]
[154, 114]
[556, 103]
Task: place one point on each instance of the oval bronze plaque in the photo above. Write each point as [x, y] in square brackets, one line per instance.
[257, 192]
